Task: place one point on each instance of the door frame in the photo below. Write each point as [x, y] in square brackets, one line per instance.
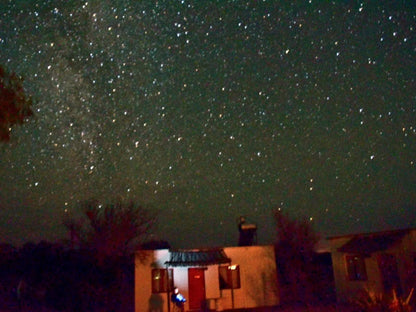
[196, 287]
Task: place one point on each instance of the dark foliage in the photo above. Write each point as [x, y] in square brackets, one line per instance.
[95, 272]
[15, 105]
[155, 244]
[112, 231]
[52, 277]
[304, 275]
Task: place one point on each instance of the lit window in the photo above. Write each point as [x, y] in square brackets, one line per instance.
[229, 276]
[162, 280]
[356, 268]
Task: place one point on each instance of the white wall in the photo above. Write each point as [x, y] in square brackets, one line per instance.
[258, 278]
[144, 262]
[346, 290]
[212, 282]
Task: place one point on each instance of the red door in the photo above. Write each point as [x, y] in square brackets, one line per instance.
[196, 284]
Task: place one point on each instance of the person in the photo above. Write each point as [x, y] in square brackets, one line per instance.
[178, 299]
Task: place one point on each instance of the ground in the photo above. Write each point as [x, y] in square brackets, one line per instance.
[301, 308]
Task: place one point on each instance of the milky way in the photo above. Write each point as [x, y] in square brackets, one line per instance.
[207, 110]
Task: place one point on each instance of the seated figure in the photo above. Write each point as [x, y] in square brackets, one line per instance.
[178, 299]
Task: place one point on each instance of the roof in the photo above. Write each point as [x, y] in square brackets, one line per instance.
[368, 244]
[405, 230]
[197, 257]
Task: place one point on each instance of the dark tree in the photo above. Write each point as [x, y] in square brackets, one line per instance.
[155, 244]
[112, 231]
[111, 234]
[15, 105]
[294, 247]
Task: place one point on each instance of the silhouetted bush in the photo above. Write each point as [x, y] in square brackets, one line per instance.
[304, 276]
[45, 275]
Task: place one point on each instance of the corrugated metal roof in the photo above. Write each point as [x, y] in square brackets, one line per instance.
[197, 257]
[369, 244]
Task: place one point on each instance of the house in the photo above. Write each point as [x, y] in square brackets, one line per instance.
[210, 279]
[375, 262]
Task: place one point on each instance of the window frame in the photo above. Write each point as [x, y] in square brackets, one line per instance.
[356, 267]
[229, 276]
[166, 280]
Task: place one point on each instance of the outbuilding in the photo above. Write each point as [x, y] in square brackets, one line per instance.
[212, 279]
[378, 263]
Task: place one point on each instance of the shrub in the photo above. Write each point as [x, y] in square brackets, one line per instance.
[373, 302]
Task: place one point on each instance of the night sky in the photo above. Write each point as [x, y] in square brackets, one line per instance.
[208, 110]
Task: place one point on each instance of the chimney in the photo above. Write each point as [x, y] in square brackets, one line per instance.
[248, 233]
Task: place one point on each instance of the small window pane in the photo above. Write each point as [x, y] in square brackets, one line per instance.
[229, 277]
[162, 280]
[223, 278]
[356, 268]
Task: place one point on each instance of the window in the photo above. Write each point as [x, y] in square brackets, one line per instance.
[229, 276]
[162, 280]
[356, 268]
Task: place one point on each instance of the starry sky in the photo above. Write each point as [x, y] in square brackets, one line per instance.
[208, 110]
